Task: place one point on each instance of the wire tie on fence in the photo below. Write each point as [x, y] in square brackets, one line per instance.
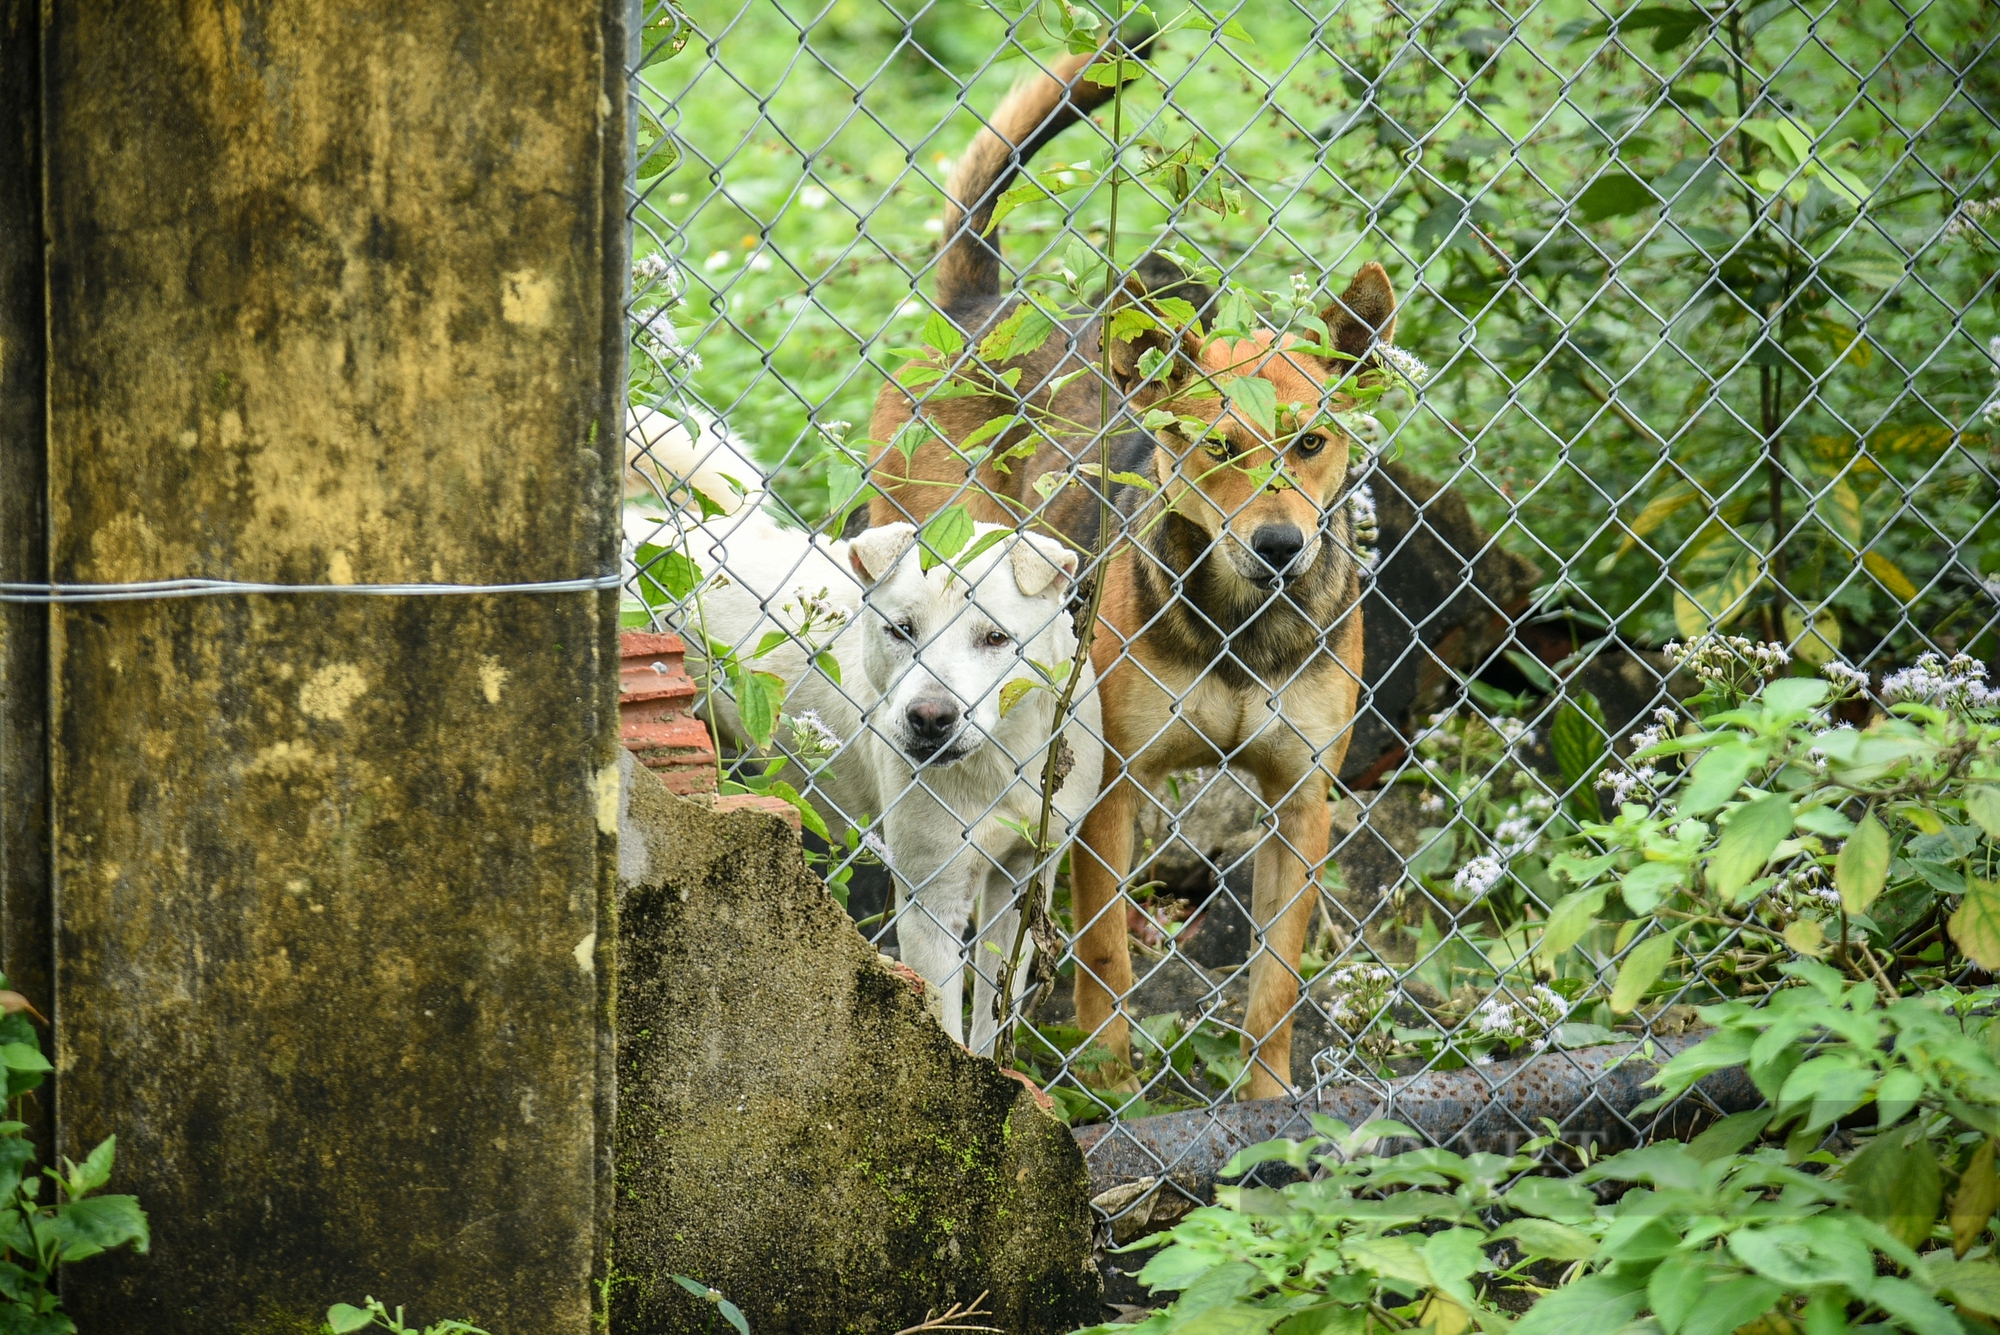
[153, 590]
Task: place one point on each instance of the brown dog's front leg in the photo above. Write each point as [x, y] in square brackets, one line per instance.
[1282, 904]
[1099, 861]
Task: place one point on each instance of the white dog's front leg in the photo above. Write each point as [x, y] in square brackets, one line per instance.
[934, 905]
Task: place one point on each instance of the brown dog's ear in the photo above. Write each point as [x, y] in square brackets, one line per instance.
[874, 552]
[1128, 352]
[1363, 318]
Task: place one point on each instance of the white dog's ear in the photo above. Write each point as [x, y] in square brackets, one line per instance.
[1039, 561]
[874, 552]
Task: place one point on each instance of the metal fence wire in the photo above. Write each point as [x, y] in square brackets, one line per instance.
[1377, 393]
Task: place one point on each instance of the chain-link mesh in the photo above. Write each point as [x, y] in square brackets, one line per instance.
[1694, 332]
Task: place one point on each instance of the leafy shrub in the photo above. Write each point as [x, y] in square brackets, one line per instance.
[1821, 885]
[1705, 1237]
[73, 1223]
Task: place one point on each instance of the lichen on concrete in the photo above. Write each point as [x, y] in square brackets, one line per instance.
[794, 1129]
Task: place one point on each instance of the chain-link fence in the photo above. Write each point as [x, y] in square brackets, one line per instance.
[1350, 586]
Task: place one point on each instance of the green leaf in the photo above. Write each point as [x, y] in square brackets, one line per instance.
[664, 571]
[1894, 1180]
[24, 1057]
[1019, 334]
[1577, 741]
[1641, 969]
[1732, 1303]
[1255, 400]
[1974, 1285]
[1591, 1306]
[1976, 925]
[943, 335]
[1647, 884]
[945, 533]
[1730, 1135]
[1014, 692]
[1863, 866]
[1716, 777]
[1983, 805]
[1543, 1237]
[1613, 195]
[1899, 1091]
[758, 696]
[346, 1319]
[734, 1316]
[99, 1223]
[1753, 833]
[1569, 920]
[96, 1170]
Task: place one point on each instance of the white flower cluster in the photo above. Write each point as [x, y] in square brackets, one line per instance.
[1966, 218]
[1404, 363]
[1536, 1012]
[1478, 876]
[876, 847]
[1807, 883]
[1725, 659]
[1359, 991]
[1957, 683]
[657, 268]
[1431, 803]
[1515, 733]
[658, 339]
[1518, 832]
[1624, 781]
[812, 740]
[1846, 678]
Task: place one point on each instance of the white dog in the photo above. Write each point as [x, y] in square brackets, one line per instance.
[930, 740]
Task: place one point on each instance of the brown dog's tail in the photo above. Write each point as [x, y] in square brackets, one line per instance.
[1036, 111]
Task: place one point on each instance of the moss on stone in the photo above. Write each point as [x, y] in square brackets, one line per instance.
[795, 1130]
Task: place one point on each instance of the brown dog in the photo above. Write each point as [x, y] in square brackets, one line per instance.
[1229, 625]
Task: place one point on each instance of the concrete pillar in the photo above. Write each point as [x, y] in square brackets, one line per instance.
[332, 295]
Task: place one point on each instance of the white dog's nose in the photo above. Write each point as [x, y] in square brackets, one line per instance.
[931, 724]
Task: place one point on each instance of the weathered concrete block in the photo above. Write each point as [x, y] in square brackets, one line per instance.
[794, 1128]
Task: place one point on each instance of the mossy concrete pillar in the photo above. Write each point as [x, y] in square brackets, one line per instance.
[332, 295]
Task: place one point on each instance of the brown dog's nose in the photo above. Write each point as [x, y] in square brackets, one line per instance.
[1278, 545]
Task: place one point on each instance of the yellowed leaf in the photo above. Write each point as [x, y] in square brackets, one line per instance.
[1892, 579]
[1978, 1195]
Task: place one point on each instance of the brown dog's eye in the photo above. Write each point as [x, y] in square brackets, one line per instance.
[1218, 448]
[998, 639]
[1312, 442]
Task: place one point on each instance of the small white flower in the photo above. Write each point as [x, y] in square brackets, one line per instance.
[934, 225]
[873, 844]
[1431, 803]
[758, 263]
[1404, 363]
[1845, 677]
[1360, 991]
[716, 261]
[813, 197]
[812, 740]
[1959, 683]
[1478, 876]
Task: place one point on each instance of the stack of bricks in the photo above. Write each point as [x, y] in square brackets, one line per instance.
[657, 723]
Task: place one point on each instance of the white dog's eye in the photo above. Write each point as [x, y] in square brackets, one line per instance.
[904, 629]
[998, 639]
